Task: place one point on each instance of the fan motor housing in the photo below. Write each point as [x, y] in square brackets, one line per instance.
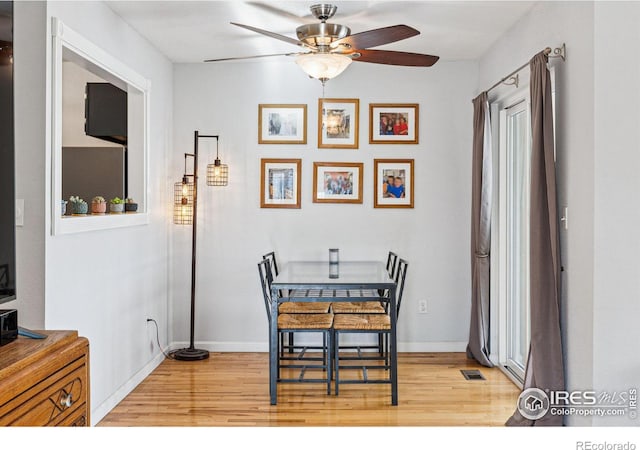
[322, 34]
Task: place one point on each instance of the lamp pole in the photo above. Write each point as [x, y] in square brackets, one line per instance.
[191, 353]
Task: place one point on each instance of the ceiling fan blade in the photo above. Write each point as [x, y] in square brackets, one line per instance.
[236, 58]
[396, 58]
[280, 37]
[379, 36]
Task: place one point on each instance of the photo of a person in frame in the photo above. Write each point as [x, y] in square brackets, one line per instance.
[393, 184]
[389, 182]
[338, 183]
[386, 127]
[396, 124]
[397, 190]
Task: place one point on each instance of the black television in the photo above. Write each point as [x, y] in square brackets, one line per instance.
[105, 112]
[7, 158]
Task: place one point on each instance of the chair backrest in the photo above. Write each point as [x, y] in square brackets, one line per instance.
[271, 256]
[391, 263]
[401, 275]
[264, 269]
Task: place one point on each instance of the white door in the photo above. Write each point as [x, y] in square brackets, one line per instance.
[515, 133]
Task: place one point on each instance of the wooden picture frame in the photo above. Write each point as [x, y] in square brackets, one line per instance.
[338, 123]
[401, 193]
[282, 124]
[337, 182]
[394, 123]
[280, 183]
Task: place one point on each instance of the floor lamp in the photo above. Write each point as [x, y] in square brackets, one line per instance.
[185, 212]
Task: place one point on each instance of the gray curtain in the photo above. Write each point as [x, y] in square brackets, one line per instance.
[545, 369]
[478, 347]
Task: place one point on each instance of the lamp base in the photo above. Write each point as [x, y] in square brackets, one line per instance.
[190, 354]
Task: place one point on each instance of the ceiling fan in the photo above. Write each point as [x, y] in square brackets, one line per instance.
[330, 47]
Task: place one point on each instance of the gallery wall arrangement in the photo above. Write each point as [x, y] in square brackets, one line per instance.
[338, 128]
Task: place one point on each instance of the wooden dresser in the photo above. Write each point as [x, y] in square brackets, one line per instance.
[45, 382]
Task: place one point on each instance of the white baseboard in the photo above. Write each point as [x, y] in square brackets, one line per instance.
[225, 346]
[98, 413]
[409, 347]
[432, 347]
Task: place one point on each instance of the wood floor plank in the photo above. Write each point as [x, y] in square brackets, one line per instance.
[232, 389]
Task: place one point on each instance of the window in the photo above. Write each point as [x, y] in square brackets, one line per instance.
[94, 156]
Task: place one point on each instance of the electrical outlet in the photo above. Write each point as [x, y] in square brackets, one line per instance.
[422, 306]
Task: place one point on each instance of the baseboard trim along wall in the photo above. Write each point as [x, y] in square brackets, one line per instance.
[97, 414]
[409, 347]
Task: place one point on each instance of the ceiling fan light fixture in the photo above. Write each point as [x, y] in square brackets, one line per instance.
[323, 66]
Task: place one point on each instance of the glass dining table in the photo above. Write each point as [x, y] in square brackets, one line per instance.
[320, 281]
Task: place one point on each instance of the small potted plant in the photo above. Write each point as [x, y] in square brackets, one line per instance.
[117, 205]
[78, 206]
[63, 207]
[130, 205]
[98, 205]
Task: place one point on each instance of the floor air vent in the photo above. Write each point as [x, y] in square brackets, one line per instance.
[472, 375]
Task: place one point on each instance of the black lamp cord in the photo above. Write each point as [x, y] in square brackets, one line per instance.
[166, 355]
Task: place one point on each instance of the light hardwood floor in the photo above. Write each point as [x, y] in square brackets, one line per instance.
[232, 389]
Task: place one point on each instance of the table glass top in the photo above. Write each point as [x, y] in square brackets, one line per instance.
[343, 273]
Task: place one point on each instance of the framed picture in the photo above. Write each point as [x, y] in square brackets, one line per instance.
[393, 183]
[282, 124]
[338, 120]
[280, 183]
[391, 123]
[337, 182]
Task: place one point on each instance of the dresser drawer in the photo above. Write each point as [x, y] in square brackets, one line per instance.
[77, 418]
[52, 400]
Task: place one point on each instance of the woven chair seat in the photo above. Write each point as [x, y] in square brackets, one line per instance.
[373, 322]
[305, 321]
[304, 307]
[358, 308]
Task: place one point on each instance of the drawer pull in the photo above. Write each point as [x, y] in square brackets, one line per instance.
[66, 400]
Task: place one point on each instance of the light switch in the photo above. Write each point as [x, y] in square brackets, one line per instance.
[565, 217]
[19, 212]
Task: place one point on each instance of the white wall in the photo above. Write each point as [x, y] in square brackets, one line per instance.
[106, 284]
[30, 125]
[617, 210]
[234, 232]
[551, 24]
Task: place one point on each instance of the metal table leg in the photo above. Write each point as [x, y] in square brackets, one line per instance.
[393, 346]
[273, 348]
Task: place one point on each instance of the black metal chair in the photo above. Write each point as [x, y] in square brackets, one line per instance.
[297, 323]
[369, 307]
[392, 258]
[379, 324]
[289, 307]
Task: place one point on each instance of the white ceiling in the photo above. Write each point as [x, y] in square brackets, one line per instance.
[192, 31]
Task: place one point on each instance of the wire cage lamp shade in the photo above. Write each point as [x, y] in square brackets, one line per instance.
[217, 174]
[183, 203]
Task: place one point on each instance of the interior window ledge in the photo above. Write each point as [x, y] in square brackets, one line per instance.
[79, 224]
